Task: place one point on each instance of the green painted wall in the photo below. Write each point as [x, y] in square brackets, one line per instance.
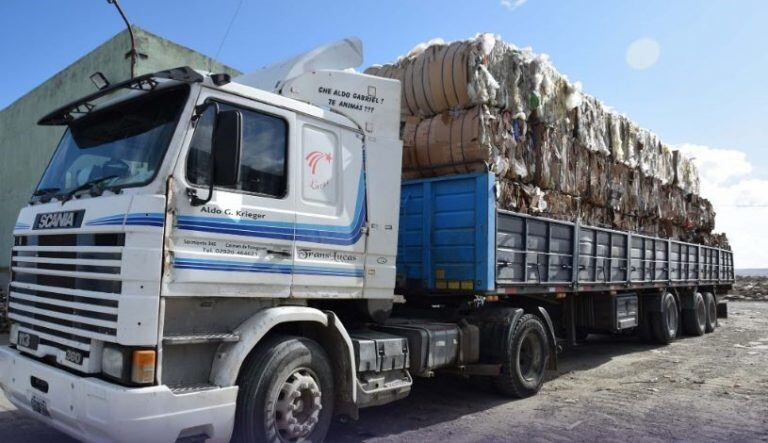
[25, 148]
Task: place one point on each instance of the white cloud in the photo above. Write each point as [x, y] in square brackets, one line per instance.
[740, 200]
[512, 4]
[643, 53]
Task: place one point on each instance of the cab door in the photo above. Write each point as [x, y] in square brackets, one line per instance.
[241, 242]
[330, 212]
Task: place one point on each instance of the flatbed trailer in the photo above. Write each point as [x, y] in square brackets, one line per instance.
[454, 240]
[453, 234]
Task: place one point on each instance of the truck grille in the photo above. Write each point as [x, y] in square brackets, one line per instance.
[65, 289]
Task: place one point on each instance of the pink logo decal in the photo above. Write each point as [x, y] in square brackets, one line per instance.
[314, 157]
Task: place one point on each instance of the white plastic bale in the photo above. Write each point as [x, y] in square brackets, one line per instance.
[665, 169]
[592, 125]
[444, 78]
[693, 173]
[617, 148]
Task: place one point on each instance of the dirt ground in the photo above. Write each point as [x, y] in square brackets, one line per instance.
[710, 388]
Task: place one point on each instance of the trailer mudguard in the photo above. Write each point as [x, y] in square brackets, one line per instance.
[230, 356]
[552, 339]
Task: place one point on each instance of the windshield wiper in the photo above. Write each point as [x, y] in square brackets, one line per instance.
[45, 193]
[42, 191]
[90, 184]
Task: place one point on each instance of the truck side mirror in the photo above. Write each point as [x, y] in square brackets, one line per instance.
[226, 141]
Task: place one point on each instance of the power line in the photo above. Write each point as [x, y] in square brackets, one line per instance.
[226, 34]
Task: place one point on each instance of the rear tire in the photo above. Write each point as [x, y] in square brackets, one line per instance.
[709, 301]
[695, 320]
[664, 324]
[526, 359]
[286, 393]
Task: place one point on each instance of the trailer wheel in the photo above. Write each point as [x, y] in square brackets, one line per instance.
[709, 300]
[526, 359]
[286, 393]
[695, 320]
[664, 324]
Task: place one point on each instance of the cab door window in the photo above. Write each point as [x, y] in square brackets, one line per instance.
[263, 165]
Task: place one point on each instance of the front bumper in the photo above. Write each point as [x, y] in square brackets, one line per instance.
[91, 409]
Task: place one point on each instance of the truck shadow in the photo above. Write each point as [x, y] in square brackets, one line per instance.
[448, 397]
[16, 427]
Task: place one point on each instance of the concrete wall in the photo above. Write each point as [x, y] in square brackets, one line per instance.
[25, 148]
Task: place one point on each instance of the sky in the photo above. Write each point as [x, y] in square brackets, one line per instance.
[694, 72]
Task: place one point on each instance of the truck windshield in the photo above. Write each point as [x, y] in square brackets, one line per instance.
[116, 147]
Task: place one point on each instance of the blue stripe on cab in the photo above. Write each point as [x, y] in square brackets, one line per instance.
[132, 219]
[273, 268]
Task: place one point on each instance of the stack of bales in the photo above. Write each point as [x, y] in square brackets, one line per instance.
[483, 104]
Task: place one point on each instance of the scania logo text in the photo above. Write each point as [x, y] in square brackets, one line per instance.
[59, 220]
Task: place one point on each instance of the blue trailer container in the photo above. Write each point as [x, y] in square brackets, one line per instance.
[454, 239]
[447, 230]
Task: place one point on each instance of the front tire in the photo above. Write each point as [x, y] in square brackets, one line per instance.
[664, 324]
[286, 393]
[526, 359]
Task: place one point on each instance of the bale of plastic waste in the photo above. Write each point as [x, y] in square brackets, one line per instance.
[483, 104]
[437, 77]
[476, 139]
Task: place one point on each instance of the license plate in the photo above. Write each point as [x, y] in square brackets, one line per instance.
[39, 405]
[74, 356]
[27, 340]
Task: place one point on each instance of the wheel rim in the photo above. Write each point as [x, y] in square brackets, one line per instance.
[701, 312]
[298, 405]
[712, 311]
[671, 317]
[530, 358]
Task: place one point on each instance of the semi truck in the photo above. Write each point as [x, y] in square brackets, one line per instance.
[208, 258]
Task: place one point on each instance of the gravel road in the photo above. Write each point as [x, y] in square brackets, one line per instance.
[710, 388]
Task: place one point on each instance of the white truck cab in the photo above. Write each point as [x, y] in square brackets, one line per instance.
[184, 221]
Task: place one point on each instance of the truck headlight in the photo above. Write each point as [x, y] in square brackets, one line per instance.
[128, 365]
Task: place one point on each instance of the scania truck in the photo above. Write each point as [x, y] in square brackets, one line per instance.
[208, 258]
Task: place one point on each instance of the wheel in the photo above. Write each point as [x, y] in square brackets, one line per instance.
[664, 324]
[709, 301]
[695, 320]
[526, 359]
[286, 393]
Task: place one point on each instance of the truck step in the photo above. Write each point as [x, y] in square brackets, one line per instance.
[188, 389]
[193, 339]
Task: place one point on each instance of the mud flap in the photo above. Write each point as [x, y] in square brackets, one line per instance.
[722, 309]
[553, 348]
